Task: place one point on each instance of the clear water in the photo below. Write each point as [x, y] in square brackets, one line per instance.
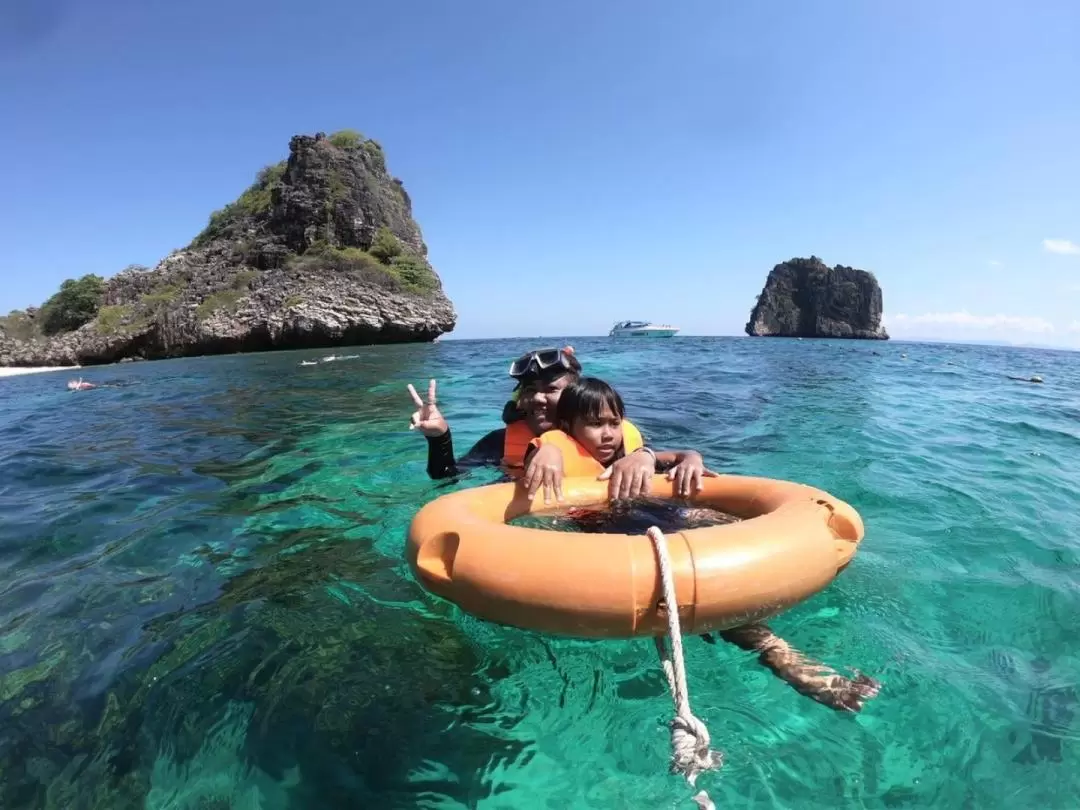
[204, 604]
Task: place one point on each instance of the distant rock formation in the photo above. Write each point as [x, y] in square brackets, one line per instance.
[807, 298]
[320, 251]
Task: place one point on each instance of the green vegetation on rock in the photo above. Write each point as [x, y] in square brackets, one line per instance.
[257, 199]
[414, 273]
[386, 264]
[243, 279]
[227, 299]
[342, 260]
[75, 304]
[338, 192]
[346, 139]
[111, 319]
[385, 246]
[20, 326]
[160, 296]
[223, 299]
[374, 151]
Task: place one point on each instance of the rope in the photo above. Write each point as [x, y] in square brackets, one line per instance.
[690, 752]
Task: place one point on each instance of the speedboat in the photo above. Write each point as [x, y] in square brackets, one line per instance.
[641, 329]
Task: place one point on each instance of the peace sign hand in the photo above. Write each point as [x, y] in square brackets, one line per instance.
[427, 418]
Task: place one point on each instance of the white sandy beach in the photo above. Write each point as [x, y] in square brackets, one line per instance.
[13, 371]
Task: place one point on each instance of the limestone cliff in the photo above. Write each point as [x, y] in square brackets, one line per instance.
[320, 251]
[806, 298]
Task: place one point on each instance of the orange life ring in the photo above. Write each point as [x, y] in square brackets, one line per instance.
[791, 543]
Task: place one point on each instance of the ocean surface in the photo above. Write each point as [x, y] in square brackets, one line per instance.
[204, 601]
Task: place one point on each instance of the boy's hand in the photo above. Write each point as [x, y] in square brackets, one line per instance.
[630, 476]
[687, 474]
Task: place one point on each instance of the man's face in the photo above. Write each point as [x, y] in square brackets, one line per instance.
[538, 400]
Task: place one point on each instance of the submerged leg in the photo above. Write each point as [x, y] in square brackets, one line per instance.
[806, 676]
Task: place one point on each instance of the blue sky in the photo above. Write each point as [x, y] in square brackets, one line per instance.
[606, 160]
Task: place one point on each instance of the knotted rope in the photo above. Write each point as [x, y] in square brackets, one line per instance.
[690, 752]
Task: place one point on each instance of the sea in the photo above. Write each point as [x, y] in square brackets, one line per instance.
[204, 600]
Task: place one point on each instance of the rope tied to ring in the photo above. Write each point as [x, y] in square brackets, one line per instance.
[691, 754]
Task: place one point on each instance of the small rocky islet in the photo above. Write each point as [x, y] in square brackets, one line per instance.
[808, 299]
[322, 250]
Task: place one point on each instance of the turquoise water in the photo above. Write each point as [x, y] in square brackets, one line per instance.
[204, 602]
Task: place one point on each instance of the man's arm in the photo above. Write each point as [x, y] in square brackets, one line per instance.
[485, 453]
[806, 676]
[666, 459]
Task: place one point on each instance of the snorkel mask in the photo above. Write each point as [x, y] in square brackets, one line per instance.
[536, 362]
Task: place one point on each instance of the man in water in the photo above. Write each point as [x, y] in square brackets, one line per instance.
[542, 375]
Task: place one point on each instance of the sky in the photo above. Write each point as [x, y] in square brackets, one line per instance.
[574, 164]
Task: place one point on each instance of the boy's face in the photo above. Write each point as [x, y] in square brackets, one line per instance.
[602, 436]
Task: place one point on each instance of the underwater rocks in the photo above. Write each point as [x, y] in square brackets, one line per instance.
[287, 686]
[807, 298]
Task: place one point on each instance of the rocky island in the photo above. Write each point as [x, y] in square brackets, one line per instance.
[807, 298]
[320, 251]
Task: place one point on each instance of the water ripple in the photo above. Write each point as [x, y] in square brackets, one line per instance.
[205, 604]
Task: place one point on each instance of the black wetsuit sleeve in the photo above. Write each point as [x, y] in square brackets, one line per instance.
[662, 467]
[485, 453]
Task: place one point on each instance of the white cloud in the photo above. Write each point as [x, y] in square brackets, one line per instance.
[994, 263]
[964, 319]
[1063, 246]
[1074, 326]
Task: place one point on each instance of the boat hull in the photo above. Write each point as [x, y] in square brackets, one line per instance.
[645, 333]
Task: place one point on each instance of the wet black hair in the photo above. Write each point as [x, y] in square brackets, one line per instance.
[586, 398]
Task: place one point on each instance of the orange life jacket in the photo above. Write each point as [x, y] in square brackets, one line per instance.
[515, 445]
[577, 461]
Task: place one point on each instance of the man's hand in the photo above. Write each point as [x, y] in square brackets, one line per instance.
[630, 476]
[545, 468]
[427, 418]
[687, 474]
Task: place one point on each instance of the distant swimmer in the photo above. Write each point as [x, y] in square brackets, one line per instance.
[80, 385]
[1034, 379]
[335, 357]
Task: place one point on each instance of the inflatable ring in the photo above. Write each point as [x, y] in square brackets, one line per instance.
[791, 543]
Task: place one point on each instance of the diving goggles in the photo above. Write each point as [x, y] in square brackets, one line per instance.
[541, 359]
